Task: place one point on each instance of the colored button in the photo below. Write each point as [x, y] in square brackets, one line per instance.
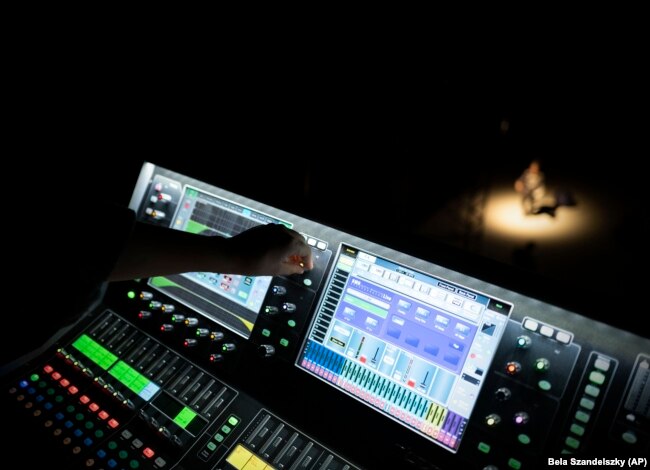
[50, 391]
[602, 364]
[79, 416]
[93, 407]
[42, 384]
[103, 415]
[572, 442]
[239, 457]
[577, 429]
[291, 323]
[89, 424]
[629, 437]
[233, 421]
[68, 424]
[523, 438]
[113, 423]
[544, 385]
[219, 437]
[597, 377]
[64, 382]
[111, 463]
[483, 447]
[134, 464]
[99, 434]
[284, 342]
[587, 403]
[58, 398]
[225, 429]
[48, 369]
[592, 390]
[39, 398]
[72, 390]
[148, 452]
[101, 453]
[59, 416]
[514, 463]
[88, 442]
[23, 384]
[78, 433]
[255, 463]
[112, 445]
[31, 390]
[266, 332]
[211, 446]
[582, 416]
[123, 454]
[84, 399]
[48, 406]
[56, 375]
[34, 377]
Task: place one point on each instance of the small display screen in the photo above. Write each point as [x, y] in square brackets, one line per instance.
[409, 345]
[232, 300]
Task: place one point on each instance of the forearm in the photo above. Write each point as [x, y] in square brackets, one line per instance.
[155, 251]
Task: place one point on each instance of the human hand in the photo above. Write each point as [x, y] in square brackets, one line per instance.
[270, 250]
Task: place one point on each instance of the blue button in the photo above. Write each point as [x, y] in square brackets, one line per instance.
[47, 406]
[68, 424]
[101, 453]
[59, 416]
[78, 433]
[23, 384]
[88, 442]
[31, 390]
[40, 398]
[112, 463]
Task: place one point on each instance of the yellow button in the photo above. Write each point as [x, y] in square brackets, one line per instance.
[239, 457]
[255, 463]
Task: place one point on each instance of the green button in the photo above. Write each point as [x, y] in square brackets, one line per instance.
[112, 445]
[212, 446]
[42, 384]
[483, 447]
[266, 332]
[34, 377]
[307, 282]
[284, 342]
[99, 434]
[629, 437]
[514, 463]
[50, 391]
[587, 403]
[524, 439]
[225, 429]
[291, 323]
[597, 377]
[544, 385]
[79, 416]
[130, 294]
[592, 391]
[219, 438]
[233, 421]
[70, 409]
[123, 454]
[134, 464]
[89, 425]
[572, 442]
[58, 399]
[582, 416]
[577, 429]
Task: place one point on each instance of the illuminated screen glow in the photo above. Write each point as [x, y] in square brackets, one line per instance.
[409, 345]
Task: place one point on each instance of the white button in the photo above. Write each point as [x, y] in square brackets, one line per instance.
[563, 337]
[531, 324]
[311, 241]
[602, 364]
[546, 331]
[321, 245]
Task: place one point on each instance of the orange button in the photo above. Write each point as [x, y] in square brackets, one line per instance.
[56, 376]
[148, 452]
[103, 414]
[64, 382]
[48, 369]
[84, 399]
[93, 407]
[113, 423]
[72, 390]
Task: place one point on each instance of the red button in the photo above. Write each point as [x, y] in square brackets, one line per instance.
[56, 376]
[113, 423]
[93, 407]
[48, 369]
[84, 399]
[72, 390]
[148, 452]
[64, 382]
[103, 414]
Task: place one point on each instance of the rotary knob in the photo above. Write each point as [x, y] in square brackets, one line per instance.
[265, 350]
